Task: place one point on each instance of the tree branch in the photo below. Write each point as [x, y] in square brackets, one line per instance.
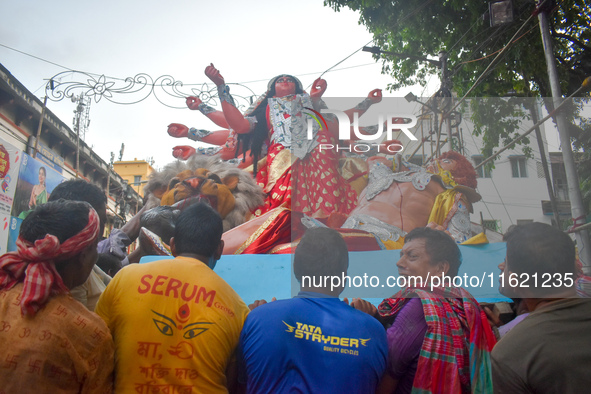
[570, 38]
[562, 60]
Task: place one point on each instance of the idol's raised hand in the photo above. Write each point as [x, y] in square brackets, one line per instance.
[213, 73]
[318, 88]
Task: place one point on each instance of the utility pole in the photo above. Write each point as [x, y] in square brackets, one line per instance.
[77, 119]
[572, 178]
[110, 166]
[445, 93]
[533, 110]
[81, 122]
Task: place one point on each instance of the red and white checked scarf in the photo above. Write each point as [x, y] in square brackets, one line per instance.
[33, 264]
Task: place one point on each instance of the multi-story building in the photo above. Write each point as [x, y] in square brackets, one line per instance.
[51, 148]
[135, 172]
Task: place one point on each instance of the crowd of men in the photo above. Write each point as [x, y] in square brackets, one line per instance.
[175, 326]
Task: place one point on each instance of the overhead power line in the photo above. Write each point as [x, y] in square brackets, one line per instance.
[485, 72]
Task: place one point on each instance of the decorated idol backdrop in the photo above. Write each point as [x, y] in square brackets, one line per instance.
[36, 181]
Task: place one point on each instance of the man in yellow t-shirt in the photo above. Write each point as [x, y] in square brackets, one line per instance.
[175, 323]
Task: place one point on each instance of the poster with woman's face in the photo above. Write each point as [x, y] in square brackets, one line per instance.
[36, 181]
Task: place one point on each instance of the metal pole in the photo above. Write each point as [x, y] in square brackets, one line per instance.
[482, 223]
[446, 88]
[449, 133]
[437, 150]
[422, 145]
[38, 135]
[461, 139]
[109, 168]
[572, 178]
[580, 228]
[438, 133]
[534, 114]
[108, 182]
[78, 116]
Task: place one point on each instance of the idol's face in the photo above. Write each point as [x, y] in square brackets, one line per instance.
[284, 86]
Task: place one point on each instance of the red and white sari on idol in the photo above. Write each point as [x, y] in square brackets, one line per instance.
[298, 174]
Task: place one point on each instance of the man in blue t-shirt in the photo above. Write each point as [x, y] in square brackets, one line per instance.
[313, 343]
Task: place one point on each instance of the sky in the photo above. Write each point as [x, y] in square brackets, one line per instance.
[249, 42]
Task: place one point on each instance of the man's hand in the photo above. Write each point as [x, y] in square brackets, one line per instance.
[375, 96]
[493, 316]
[318, 88]
[212, 73]
[178, 130]
[364, 306]
[193, 102]
[258, 303]
[183, 152]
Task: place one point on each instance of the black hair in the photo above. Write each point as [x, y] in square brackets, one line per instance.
[440, 247]
[109, 263]
[80, 190]
[62, 218]
[44, 170]
[255, 139]
[161, 221]
[198, 230]
[322, 251]
[540, 248]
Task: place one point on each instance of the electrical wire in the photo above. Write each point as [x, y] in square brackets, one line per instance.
[415, 11]
[530, 165]
[464, 35]
[513, 205]
[501, 198]
[474, 51]
[341, 62]
[306, 74]
[497, 51]
[36, 57]
[533, 148]
[406, 17]
[185, 84]
[495, 35]
[485, 72]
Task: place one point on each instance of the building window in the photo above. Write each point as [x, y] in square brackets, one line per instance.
[518, 167]
[493, 225]
[559, 178]
[484, 171]
[137, 179]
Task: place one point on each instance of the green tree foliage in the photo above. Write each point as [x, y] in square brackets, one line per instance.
[462, 29]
